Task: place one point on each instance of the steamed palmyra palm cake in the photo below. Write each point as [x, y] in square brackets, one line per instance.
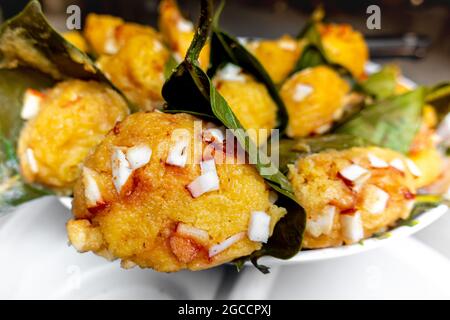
[178, 32]
[131, 55]
[138, 70]
[314, 98]
[65, 122]
[277, 56]
[249, 100]
[349, 195]
[143, 200]
[107, 34]
[345, 46]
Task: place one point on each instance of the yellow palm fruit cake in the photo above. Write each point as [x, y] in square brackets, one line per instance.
[178, 32]
[345, 46]
[138, 70]
[145, 200]
[249, 100]
[106, 34]
[277, 56]
[349, 195]
[65, 122]
[314, 98]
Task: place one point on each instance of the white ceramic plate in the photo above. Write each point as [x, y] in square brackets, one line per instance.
[422, 221]
[38, 263]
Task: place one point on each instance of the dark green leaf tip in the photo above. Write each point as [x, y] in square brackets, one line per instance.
[28, 40]
[202, 32]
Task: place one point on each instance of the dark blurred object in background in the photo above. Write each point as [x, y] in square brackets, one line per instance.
[401, 22]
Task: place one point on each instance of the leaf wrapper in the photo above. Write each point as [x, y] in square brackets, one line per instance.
[13, 83]
[313, 53]
[28, 40]
[391, 123]
[190, 89]
[381, 84]
[439, 97]
[423, 204]
[32, 55]
[227, 49]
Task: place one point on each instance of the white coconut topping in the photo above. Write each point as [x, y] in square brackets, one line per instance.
[410, 204]
[375, 199]
[231, 72]
[138, 156]
[157, 45]
[436, 139]
[287, 45]
[301, 92]
[213, 134]
[205, 183]
[218, 248]
[178, 153]
[186, 230]
[178, 58]
[447, 194]
[29, 153]
[91, 190]
[31, 104]
[322, 129]
[78, 236]
[323, 224]
[377, 162]
[413, 168]
[259, 227]
[184, 25]
[358, 184]
[443, 130]
[352, 227]
[273, 197]
[243, 41]
[338, 113]
[121, 169]
[208, 166]
[398, 164]
[111, 45]
[353, 172]
[127, 264]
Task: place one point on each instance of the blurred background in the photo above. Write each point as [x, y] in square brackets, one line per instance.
[414, 33]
